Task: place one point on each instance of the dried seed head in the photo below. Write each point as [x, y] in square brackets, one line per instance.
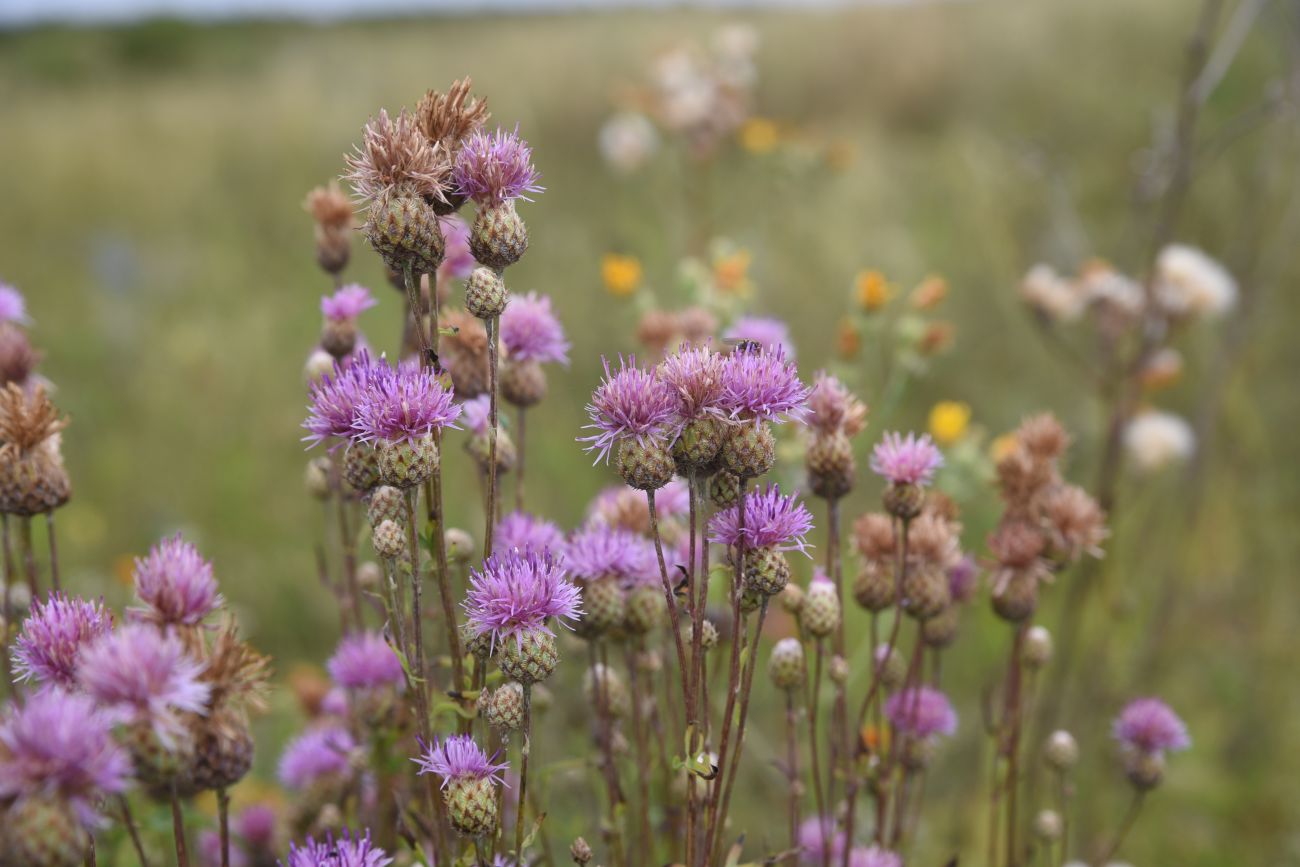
[33, 479]
[396, 158]
[447, 118]
[316, 478]
[464, 352]
[580, 851]
[1037, 649]
[873, 534]
[1043, 437]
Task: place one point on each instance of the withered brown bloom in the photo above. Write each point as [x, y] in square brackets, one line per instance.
[464, 352]
[447, 118]
[33, 479]
[396, 159]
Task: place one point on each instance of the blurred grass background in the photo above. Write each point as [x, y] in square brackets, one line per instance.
[152, 178]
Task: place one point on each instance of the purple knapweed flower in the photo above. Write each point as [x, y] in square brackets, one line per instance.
[315, 754]
[602, 551]
[60, 743]
[475, 414]
[673, 500]
[921, 711]
[909, 460]
[963, 578]
[873, 856]
[517, 591]
[1150, 726]
[409, 405]
[255, 824]
[772, 520]
[632, 403]
[346, 850]
[347, 303]
[457, 262]
[458, 757]
[54, 635]
[530, 330]
[766, 331]
[145, 675]
[527, 532]
[337, 398]
[13, 307]
[695, 375]
[364, 660]
[175, 583]
[209, 851]
[492, 168]
[762, 385]
[815, 834]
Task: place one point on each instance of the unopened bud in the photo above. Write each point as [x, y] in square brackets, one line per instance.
[1048, 825]
[317, 478]
[1061, 751]
[838, 669]
[460, 545]
[1037, 650]
[319, 364]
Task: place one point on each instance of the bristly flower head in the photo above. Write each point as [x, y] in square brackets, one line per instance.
[762, 385]
[528, 532]
[476, 413]
[458, 261]
[921, 711]
[873, 856]
[832, 408]
[458, 758]
[336, 400]
[1149, 725]
[409, 405]
[492, 168]
[517, 591]
[766, 331]
[906, 461]
[347, 850]
[694, 373]
[602, 551]
[772, 520]
[146, 675]
[632, 403]
[54, 635]
[531, 332]
[364, 660]
[13, 307]
[60, 743]
[175, 583]
[317, 753]
[447, 118]
[346, 304]
[395, 155]
[815, 833]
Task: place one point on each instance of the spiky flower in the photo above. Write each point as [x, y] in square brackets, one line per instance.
[447, 118]
[346, 850]
[458, 757]
[146, 675]
[772, 520]
[762, 385]
[395, 158]
[1150, 726]
[60, 744]
[347, 303]
[54, 635]
[519, 591]
[405, 407]
[329, 207]
[337, 398]
[317, 754]
[530, 330]
[364, 660]
[909, 460]
[922, 712]
[527, 532]
[602, 551]
[493, 168]
[632, 404]
[32, 476]
[176, 584]
[458, 261]
[832, 408]
[873, 856]
[695, 375]
[13, 307]
[766, 331]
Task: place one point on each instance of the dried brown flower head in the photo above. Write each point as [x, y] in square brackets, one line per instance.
[27, 419]
[834, 409]
[658, 330]
[873, 535]
[1076, 524]
[1017, 544]
[446, 118]
[698, 325]
[1043, 437]
[464, 353]
[1022, 478]
[329, 207]
[930, 540]
[394, 158]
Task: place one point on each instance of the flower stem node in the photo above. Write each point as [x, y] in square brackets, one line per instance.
[41, 829]
[767, 571]
[361, 467]
[645, 465]
[646, 609]
[873, 589]
[503, 707]
[697, 445]
[386, 504]
[472, 806]
[904, 500]
[407, 463]
[403, 229]
[749, 450]
[523, 383]
[389, 540]
[786, 665]
[498, 237]
[925, 593]
[530, 657]
[485, 293]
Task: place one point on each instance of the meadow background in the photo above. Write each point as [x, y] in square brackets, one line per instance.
[151, 180]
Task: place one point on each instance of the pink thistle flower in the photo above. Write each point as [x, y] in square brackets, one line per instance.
[209, 850]
[921, 712]
[762, 385]
[695, 375]
[347, 850]
[873, 856]
[492, 168]
[527, 532]
[815, 833]
[53, 638]
[766, 331]
[601, 551]
[832, 408]
[1150, 726]
[409, 405]
[316, 754]
[60, 743]
[963, 578]
[673, 500]
[13, 307]
[531, 332]
[517, 591]
[145, 675]
[632, 403]
[256, 825]
[458, 758]
[346, 304]
[475, 413]
[176, 585]
[364, 660]
[772, 520]
[336, 400]
[906, 461]
[458, 262]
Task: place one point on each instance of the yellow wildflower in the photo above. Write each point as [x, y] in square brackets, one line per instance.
[873, 291]
[949, 421]
[621, 274]
[759, 135]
